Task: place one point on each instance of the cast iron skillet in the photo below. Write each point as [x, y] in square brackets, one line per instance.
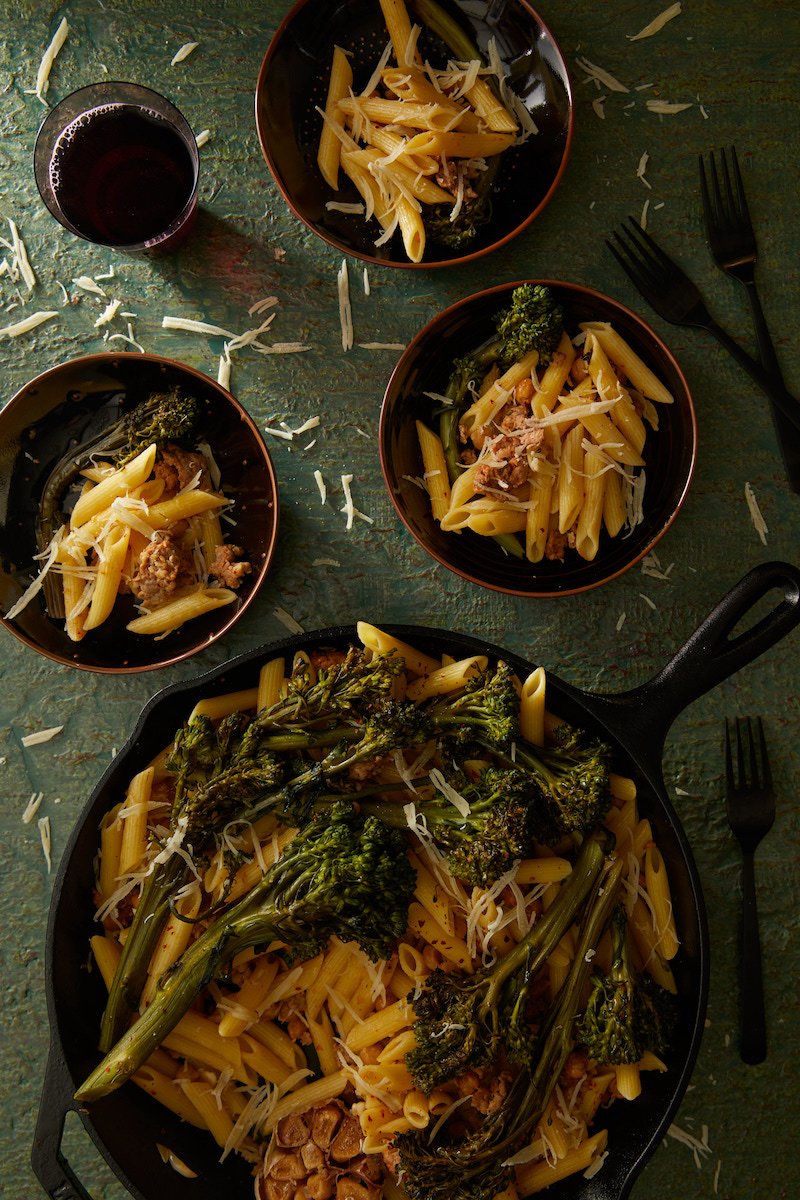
[127, 1124]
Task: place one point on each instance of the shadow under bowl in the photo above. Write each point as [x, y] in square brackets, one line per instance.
[73, 401]
[425, 366]
[293, 83]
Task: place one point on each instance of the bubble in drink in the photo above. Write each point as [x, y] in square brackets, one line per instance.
[121, 174]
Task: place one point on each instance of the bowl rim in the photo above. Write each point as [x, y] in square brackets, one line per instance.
[437, 264]
[85, 360]
[582, 290]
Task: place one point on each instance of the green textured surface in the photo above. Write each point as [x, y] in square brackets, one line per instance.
[740, 60]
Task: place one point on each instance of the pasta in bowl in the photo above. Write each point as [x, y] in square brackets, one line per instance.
[141, 512]
[402, 132]
[537, 438]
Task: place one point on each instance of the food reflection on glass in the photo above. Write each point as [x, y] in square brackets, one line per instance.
[117, 164]
[385, 919]
[421, 145]
[146, 521]
[539, 437]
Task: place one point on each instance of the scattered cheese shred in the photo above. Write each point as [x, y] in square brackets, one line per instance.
[184, 52]
[349, 508]
[656, 25]
[326, 562]
[188, 325]
[595, 72]
[20, 266]
[665, 107]
[26, 325]
[381, 345]
[643, 217]
[642, 167]
[32, 807]
[41, 735]
[48, 58]
[108, 313]
[170, 1157]
[698, 1146]
[356, 209]
[202, 137]
[620, 621]
[647, 600]
[756, 516]
[366, 282]
[288, 620]
[46, 839]
[35, 587]
[320, 482]
[224, 369]
[345, 312]
[598, 104]
[88, 284]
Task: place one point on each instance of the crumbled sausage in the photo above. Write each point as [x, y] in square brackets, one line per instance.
[178, 468]
[557, 543]
[158, 570]
[228, 567]
[323, 660]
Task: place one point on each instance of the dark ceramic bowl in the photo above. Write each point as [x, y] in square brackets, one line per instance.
[71, 402]
[425, 367]
[293, 83]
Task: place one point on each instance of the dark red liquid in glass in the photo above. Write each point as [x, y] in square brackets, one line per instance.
[121, 174]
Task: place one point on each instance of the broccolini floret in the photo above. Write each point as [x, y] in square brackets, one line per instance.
[627, 1013]
[342, 875]
[485, 709]
[533, 321]
[571, 778]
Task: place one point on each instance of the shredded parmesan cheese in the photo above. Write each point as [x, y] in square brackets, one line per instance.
[108, 313]
[88, 284]
[698, 1146]
[42, 735]
[656, 25]
[642, 167]
[45, 836]
[32, 807]
[759, 524]
[288, 620]
[184, 52]
[48, 58]
[26, 325]
[603, 77]
[202, 137]
[345, 312]
[665, 107]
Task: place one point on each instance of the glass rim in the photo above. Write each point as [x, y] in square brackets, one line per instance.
[109, 91]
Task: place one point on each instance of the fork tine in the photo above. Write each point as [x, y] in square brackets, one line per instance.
[708, 214]
[647, 246]
[740, 763]
[637, 259]
[729, 777]
[741, 199]
[766, 772]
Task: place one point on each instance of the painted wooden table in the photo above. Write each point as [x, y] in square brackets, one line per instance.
[737, 64]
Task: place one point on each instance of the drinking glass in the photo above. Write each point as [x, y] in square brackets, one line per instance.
[117, 164]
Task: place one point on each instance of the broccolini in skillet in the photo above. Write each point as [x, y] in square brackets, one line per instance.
[475, 1166]
[342, 875]
[627, 1013]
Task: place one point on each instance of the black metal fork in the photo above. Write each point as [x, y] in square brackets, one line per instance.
[732, 241]
[676, 298]
[750, 801]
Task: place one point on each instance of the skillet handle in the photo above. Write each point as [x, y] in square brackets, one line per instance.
[49, 1165]
[642, 717]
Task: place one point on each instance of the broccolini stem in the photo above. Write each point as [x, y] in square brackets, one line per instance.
[131, 973]
[446, 28]
[556, 1039]
[176, 993]
[546, 933]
